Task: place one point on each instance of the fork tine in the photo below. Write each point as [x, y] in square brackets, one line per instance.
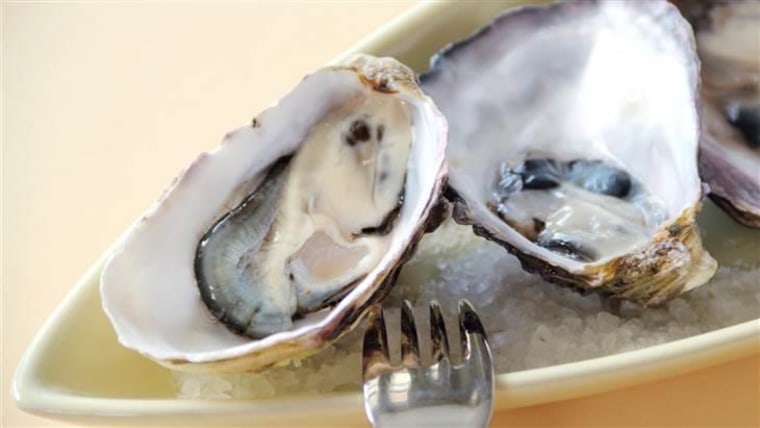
[469, 327]
[440, 342]
[438, 394]
[410, 348]
[375, 350]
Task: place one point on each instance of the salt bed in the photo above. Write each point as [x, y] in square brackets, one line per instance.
[530, 323]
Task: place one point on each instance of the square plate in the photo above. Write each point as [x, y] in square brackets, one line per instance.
[76, 370]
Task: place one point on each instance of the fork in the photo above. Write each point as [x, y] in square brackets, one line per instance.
[440, 394]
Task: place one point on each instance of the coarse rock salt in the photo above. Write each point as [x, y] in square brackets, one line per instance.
[530, 323]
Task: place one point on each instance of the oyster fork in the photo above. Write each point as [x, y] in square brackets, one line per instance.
[441, 394]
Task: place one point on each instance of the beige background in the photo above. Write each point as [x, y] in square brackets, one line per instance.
[102, 104]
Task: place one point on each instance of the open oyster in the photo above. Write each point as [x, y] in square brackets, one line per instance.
[288, 231]
[573, 132]
[728, 43]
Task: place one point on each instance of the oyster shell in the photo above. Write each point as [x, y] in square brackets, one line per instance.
[573, 131]
[728, 43]
[289, 230]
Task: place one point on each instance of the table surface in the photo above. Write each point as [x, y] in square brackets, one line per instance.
[102, 104]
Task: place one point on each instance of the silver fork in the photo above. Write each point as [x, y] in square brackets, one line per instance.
[440, 394]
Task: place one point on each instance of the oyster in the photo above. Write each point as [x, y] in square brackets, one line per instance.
[573, 132]
[288, 231]
[728, 43]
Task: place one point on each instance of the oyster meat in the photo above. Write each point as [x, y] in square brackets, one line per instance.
[274, 245]
[728, 43]
[573, 132]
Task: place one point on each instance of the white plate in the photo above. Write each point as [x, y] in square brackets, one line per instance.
[76, 370]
